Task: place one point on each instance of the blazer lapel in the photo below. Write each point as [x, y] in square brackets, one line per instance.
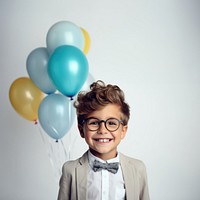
[81, 177]
[128, 175]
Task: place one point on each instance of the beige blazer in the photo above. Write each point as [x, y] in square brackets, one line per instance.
[73, 182]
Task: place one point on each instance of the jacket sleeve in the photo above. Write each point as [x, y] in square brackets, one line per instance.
[65, 185]
[144, 191]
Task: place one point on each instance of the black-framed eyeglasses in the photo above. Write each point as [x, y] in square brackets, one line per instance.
[111, 124]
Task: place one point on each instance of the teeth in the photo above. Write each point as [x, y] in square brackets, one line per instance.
[103, 140]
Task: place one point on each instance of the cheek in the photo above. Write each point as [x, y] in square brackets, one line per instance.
[120, 135]
[117, 135]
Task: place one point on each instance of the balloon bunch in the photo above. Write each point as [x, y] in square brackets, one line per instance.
[57, 73]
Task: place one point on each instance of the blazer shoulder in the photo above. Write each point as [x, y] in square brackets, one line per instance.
[136, 163]
[72, 164]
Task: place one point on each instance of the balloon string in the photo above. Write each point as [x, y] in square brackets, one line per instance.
[70, 121]
[50, 153]
[57, 157]
[64, 150]
[71, 144]
[71, 141]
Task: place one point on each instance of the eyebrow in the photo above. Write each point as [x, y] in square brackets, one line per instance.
[111, 117]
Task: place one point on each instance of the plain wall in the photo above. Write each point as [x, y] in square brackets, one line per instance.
[151, 49]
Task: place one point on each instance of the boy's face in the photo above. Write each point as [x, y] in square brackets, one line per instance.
[102, 142]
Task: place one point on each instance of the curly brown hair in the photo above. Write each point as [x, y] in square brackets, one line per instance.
[99, 96]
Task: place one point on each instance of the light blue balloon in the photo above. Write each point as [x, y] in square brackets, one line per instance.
[64, 33]
[36, 65]
[56, 115]
[68, 69]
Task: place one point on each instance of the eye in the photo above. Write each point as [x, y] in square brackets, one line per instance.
[93, 122]
[112, 122]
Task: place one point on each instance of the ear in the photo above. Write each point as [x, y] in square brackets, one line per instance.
[80, 128]
[124, 130]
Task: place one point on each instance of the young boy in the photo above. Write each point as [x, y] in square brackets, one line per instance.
[103, 173]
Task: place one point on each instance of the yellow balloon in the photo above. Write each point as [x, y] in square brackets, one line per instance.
[25, 98]
[87, 41]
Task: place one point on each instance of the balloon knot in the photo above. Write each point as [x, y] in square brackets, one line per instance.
[56, 141]
[35, 122]
[71, 98]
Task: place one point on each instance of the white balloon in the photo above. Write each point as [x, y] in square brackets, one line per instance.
[64, 33]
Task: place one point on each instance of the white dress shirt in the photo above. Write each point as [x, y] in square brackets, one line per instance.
[104, 185]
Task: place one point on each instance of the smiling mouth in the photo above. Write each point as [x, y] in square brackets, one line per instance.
[103, 140]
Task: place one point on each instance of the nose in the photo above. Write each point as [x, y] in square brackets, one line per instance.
[102, 127]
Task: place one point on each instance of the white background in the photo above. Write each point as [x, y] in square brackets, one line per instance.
[151, 49]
